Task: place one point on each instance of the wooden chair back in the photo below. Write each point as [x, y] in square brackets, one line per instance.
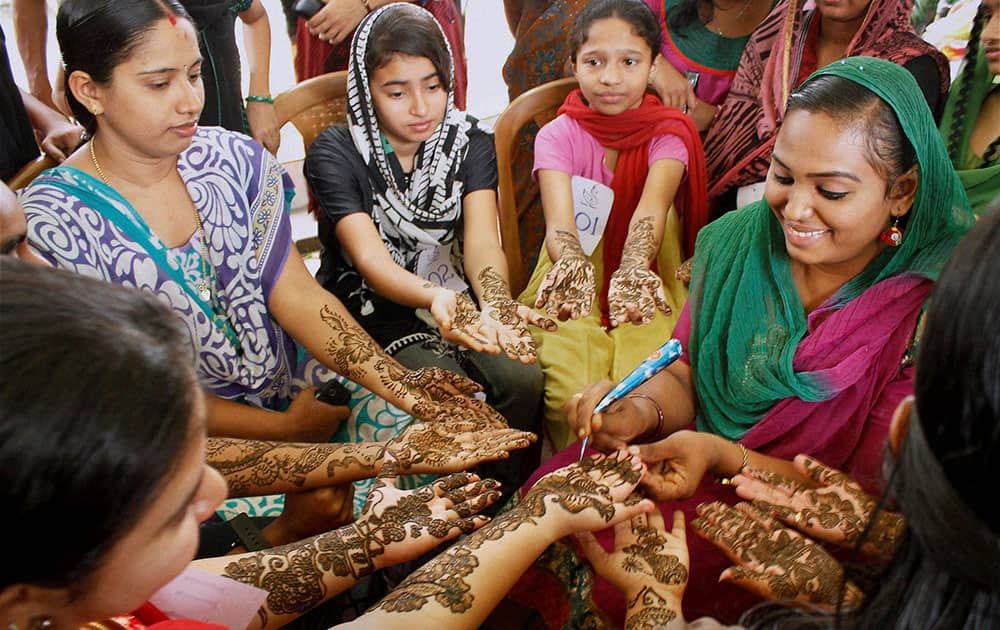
[30, 171]
[537, 105]
[314, 104]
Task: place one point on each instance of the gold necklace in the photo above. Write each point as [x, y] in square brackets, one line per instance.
[718, 29]
[204, 288]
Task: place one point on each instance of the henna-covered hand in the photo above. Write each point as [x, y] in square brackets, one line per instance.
[836, 511]
[567, 290]
[634, 295]
[635, 292]
[408, 523]
[436, 394]
[648, 564]
[586, 495]
[444, 447]
[395, 525]
[683, 273]
[589, 494]
[772, 560]
[459, 321]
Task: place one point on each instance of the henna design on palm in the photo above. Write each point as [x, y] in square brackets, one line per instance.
[466, 318]
[293, 574]
[440, 395]
[633, 284]
[444, 446]
[571, 280]
[573, 489]
[654, 611]
[647, 556]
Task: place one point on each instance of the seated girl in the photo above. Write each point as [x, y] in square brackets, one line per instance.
[408, 194]
[971, 122]
[802, 314]
[619, 294]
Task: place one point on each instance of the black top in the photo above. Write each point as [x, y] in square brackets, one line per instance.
[17, 138]
[338, 178]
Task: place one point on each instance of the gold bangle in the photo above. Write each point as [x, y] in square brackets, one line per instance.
[745, 453]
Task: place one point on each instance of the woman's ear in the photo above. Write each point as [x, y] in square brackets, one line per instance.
[900, 423]
[903, 192]
[86, 91]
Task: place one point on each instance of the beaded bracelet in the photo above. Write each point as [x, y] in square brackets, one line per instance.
[259, 99]
[659, 416]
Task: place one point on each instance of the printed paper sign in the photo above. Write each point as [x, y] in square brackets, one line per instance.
[591, 207]
[434, 265]
[203, 596]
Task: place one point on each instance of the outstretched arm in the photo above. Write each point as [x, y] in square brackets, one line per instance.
[459, 588]
[253, 467]
[321, 323]
[396, 525]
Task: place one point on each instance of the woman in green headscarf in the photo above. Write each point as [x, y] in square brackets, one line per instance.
[971, 123]
[802, 310]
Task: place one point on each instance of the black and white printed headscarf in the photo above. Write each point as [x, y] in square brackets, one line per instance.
[425, 214]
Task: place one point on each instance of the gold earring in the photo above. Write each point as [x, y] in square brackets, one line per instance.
[93, 108]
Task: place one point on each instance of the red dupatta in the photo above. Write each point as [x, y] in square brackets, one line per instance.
[630, 133]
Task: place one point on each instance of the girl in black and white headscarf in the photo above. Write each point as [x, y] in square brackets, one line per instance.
[407, 193]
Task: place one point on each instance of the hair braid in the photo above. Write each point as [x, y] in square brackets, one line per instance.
[965, 78]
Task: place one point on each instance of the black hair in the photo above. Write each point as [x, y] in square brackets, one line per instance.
[962, 101]
[97, 397]
[95, 36]
[888, 150]
[635, 13]
[410, 31]
[953, 581]
[685, 13]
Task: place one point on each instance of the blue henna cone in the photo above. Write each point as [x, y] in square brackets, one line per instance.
[663, 356]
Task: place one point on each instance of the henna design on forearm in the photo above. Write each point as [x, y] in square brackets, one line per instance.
[293, 575]
[443, 580]
[494, 286]
[652, 610]
[251, 465]
[640, 245]
[646, 556]
[350, 347]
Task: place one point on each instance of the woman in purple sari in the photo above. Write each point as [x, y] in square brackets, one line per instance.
[801, 320]
[199, 217]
